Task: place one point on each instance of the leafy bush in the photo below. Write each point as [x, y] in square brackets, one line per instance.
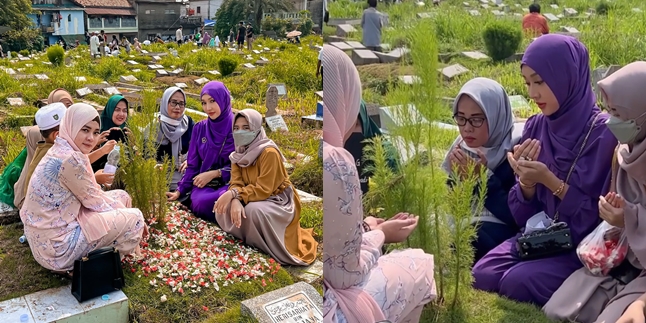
[24, 52]
[306, 26]
[145, 60]
[56, 54]
[230, 13]
[502, 40]
[275, 24]
[109, 68]
[308, 177]
[17, 40]
[602, 8]
[227, 65]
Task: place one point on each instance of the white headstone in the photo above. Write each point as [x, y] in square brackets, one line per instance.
[276, 123]
[214, 72]
[16, 101]
[297, 303]
[181, 85]
[127, 78]
[202, 81]
[80, 79]
[475, 55]
[41, 76]
[452, 71]
[83, 91]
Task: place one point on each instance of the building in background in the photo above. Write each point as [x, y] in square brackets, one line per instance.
[59, 19]
[163, 17]
[205, 8]
[115, 17]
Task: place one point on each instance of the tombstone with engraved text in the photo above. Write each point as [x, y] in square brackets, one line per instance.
[356, 144]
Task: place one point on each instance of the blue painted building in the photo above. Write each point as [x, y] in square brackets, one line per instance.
[59, 19]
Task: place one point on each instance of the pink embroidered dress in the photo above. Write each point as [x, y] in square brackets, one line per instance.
[66, 214]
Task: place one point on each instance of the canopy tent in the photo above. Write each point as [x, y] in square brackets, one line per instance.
[209, 23]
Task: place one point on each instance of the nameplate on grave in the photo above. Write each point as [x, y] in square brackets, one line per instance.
[176, 72]
[161, 73]
[80, 79]
[143, 51]
[181, 85]
[282, 89]
[355, 145]
[131, 62]
[157, 58]
[202, 81]
[127, 78]
[256, 51]
[16, 101]
[111, 90]
[83, 91]
[248, 65]
[295, 308]
[276, 123]
[41, 76]
[214, 72]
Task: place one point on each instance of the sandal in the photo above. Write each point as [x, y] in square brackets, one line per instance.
[65, 274]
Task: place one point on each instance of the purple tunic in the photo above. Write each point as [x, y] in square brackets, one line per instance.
[562, 62]
[211, 145]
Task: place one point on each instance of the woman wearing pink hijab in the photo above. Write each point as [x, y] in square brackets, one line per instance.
[360, 284]
[591, 298]
[66, 214]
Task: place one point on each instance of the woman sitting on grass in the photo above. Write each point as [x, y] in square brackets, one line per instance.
[361, 284]
[209, 167]
[174, 134]
[113, 126]
[66, 214]
[262, 206]
[589, 298]
[12, 182]
[483, 114]
[563, 166]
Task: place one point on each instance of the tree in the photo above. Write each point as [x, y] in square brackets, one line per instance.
[262, 6]
[231, 12]
[13, 13]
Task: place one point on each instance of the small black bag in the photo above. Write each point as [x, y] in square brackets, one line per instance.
[97, 274]
[544, 243]
[557, 238]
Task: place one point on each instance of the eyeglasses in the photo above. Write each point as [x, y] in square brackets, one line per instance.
[174, 104]
[476, 122]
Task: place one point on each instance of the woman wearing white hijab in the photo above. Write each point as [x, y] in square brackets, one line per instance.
[484, 117]
[175, 129]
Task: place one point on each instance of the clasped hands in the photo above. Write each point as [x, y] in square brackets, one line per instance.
[460, 161]
[611, 209]
[524, 162]
[395, 229]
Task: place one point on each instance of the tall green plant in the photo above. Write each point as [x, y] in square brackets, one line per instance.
[444, 228]
[146, 180]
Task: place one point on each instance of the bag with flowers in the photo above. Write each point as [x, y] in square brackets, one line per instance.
[603, 249]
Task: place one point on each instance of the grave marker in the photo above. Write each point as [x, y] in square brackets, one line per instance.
[519, 103]
[214, 72]
[136, 70]
[355, 45]
[355, 145]
[181, 85]
[249, 65]
[474, 12]
[637, 10]
[297, 303]
[600, 74]
[551, 17]
[450, 72]
[484, 6]
[83, 91]
[554, 6]
[276, 123]
[282, 89]
[29, 65]
[344, 30]
[364, 57]
[161, 72]
[410, 79]
[16, 102]
[127, 78]
[341, 45]
[202, 81]
[176, 72]
[80, 79]
[498, 13]
[111, 90]
[157, 58]
[256, 51]
[271, 101]
[131, 62]
[475, 55]
[41, 76]
[570, 31]
[570, 12]
[143, 51]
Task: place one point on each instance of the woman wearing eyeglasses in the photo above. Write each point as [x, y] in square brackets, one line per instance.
[175, 129]
[483, 114]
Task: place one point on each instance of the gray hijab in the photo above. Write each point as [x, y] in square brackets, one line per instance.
[171, 130]
[503, 133]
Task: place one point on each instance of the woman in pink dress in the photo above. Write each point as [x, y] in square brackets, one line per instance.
[66, 214]
[360, 284]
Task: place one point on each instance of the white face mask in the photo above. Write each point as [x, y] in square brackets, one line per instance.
[624, 131]
[244, 137]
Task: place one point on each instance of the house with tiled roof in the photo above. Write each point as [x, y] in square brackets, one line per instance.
[115, 17]
[163, 17]
[59, 19]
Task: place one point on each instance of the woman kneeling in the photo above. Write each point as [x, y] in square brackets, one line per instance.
[262, 207]
[66, 214]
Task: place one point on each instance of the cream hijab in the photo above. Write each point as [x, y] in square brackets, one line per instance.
[342, 99]
[245, 156]
[76, 117]
[623, 90]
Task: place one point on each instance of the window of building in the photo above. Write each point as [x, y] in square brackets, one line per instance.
[198, 10]
[69, 18]
[147, 12]
[169, 11]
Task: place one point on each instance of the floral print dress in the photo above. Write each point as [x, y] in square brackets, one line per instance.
[360, 284]
[65, 205]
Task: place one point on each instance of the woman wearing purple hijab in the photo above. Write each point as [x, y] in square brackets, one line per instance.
[568, 136]
[208, 168]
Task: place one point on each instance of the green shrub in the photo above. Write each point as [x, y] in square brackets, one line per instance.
[24, 52]
[56, 54]
[502, 40]
[227, 65]
[602, 8]
[306, 26]
[145, 60]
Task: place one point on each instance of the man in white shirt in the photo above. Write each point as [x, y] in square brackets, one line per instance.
[178, 35]
[94, 45]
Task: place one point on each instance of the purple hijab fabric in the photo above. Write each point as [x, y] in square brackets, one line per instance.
[219, 130]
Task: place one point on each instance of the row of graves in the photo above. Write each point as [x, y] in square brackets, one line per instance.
[299, 302]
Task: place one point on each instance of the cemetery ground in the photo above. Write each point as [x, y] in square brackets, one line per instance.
[431, 51]
[163, 297]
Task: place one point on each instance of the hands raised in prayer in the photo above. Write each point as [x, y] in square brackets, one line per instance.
[528, 150]
[398, 228]
[611, 209]
[524, 163]
[460, 161]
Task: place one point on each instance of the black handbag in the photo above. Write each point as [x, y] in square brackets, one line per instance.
[555, 239]
[97, 274]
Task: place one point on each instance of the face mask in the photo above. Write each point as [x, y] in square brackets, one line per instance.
[624, 131]
[244, 137]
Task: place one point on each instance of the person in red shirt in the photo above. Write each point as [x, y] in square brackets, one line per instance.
[534, 23]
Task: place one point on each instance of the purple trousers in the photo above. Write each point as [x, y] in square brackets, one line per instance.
[203, 200]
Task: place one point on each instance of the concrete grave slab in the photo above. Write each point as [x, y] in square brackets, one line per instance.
[570, 31]
[554, 6]
[450, 72]
[161, 72]
[342, 46]
[48, 63]
[131, 62]
[157, 58]
[29, 65]
[111, 91]
[410, 79]
[83, 91]
[551, 17]
[310, 273]
[355, 45]
[136, 70]
[214, 72]
[202, 81]
[249, 65]
[176, 72]
[280, 305]
[474, 12]
[364, 57]
[15, 102]
[570, 12]
[127, 78]
[80, 79]
[181, 85]
[344, 30]
[41, 76]
[425, 15]
[143, 51]
[475, 55]
[497, 13]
